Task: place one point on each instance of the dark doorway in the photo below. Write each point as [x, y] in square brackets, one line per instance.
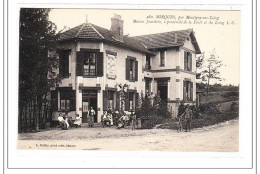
[147, 86]
[89, 99]
[162, 86]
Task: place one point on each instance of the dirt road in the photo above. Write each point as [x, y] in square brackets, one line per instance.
[218, 138]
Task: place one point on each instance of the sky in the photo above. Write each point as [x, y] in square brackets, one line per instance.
[219, 30]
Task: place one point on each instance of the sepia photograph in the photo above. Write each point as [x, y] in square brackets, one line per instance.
[128, 80]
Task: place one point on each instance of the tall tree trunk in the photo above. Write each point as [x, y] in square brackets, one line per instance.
[37, 116]
[208, 83]
[34, 115]
[30, 114]
[25, 117]
[20, 118]
[45, 110]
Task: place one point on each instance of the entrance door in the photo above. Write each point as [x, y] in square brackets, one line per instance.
[89, 99]
[162, 86]
[147, 86]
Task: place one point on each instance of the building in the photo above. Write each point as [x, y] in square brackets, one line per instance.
[93, 61]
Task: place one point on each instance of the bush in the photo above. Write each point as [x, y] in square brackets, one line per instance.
[209, 109]
[201, 122]
[181, 109]
[234, 107]
[231, 94]
[151, 122]
[152, 115]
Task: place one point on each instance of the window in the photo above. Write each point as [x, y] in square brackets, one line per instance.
[187, 91]
[67, 100]
[187, 61]
[89, 64]
[162, 58]
[64, 101]
[64, 63]
[111, 103]
[132, 70]
[148, 62]
[131, 101]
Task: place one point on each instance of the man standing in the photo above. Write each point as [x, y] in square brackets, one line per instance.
[91, 114]
[187, 118]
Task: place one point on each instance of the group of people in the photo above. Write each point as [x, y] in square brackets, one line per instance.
[107, 118]
[114, 118]
[110, 118]
[65, 123]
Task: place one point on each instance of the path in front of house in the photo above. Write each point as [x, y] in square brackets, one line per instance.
[222, 137]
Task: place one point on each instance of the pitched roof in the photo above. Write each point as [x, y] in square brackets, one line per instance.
[167, 39]
[140, 43]
[94, 32]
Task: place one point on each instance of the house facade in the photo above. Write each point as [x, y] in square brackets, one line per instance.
[93, 61]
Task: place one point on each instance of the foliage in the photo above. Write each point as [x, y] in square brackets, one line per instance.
[200, 60]
[36, 68]
[230, 94]
[181, 109]
[209, 69]
[217, 87]
[152, 115]
[203, 120]
[209, 109]
[234, 107]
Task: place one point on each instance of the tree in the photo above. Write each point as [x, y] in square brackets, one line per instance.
[210, 68]
[36, 67]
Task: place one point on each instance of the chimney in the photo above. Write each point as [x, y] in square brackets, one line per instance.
[117, 27]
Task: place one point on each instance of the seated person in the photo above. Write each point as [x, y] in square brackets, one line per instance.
[105, 119]
[77, 122]
[63, 121]
[110, 118]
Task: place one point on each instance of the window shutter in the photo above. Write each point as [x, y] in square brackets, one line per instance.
[79, 63]
[54, 100]
[136, 100]
[60, 63]
[191, 91]
[136, 70]
[184, 90]
[185, 60]
[104, 100]
[127, 103]
[127, 69]
[190, 59]
[188, 89]
[100, 64]
[73, 100]
[65, 60]
[117, 101]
